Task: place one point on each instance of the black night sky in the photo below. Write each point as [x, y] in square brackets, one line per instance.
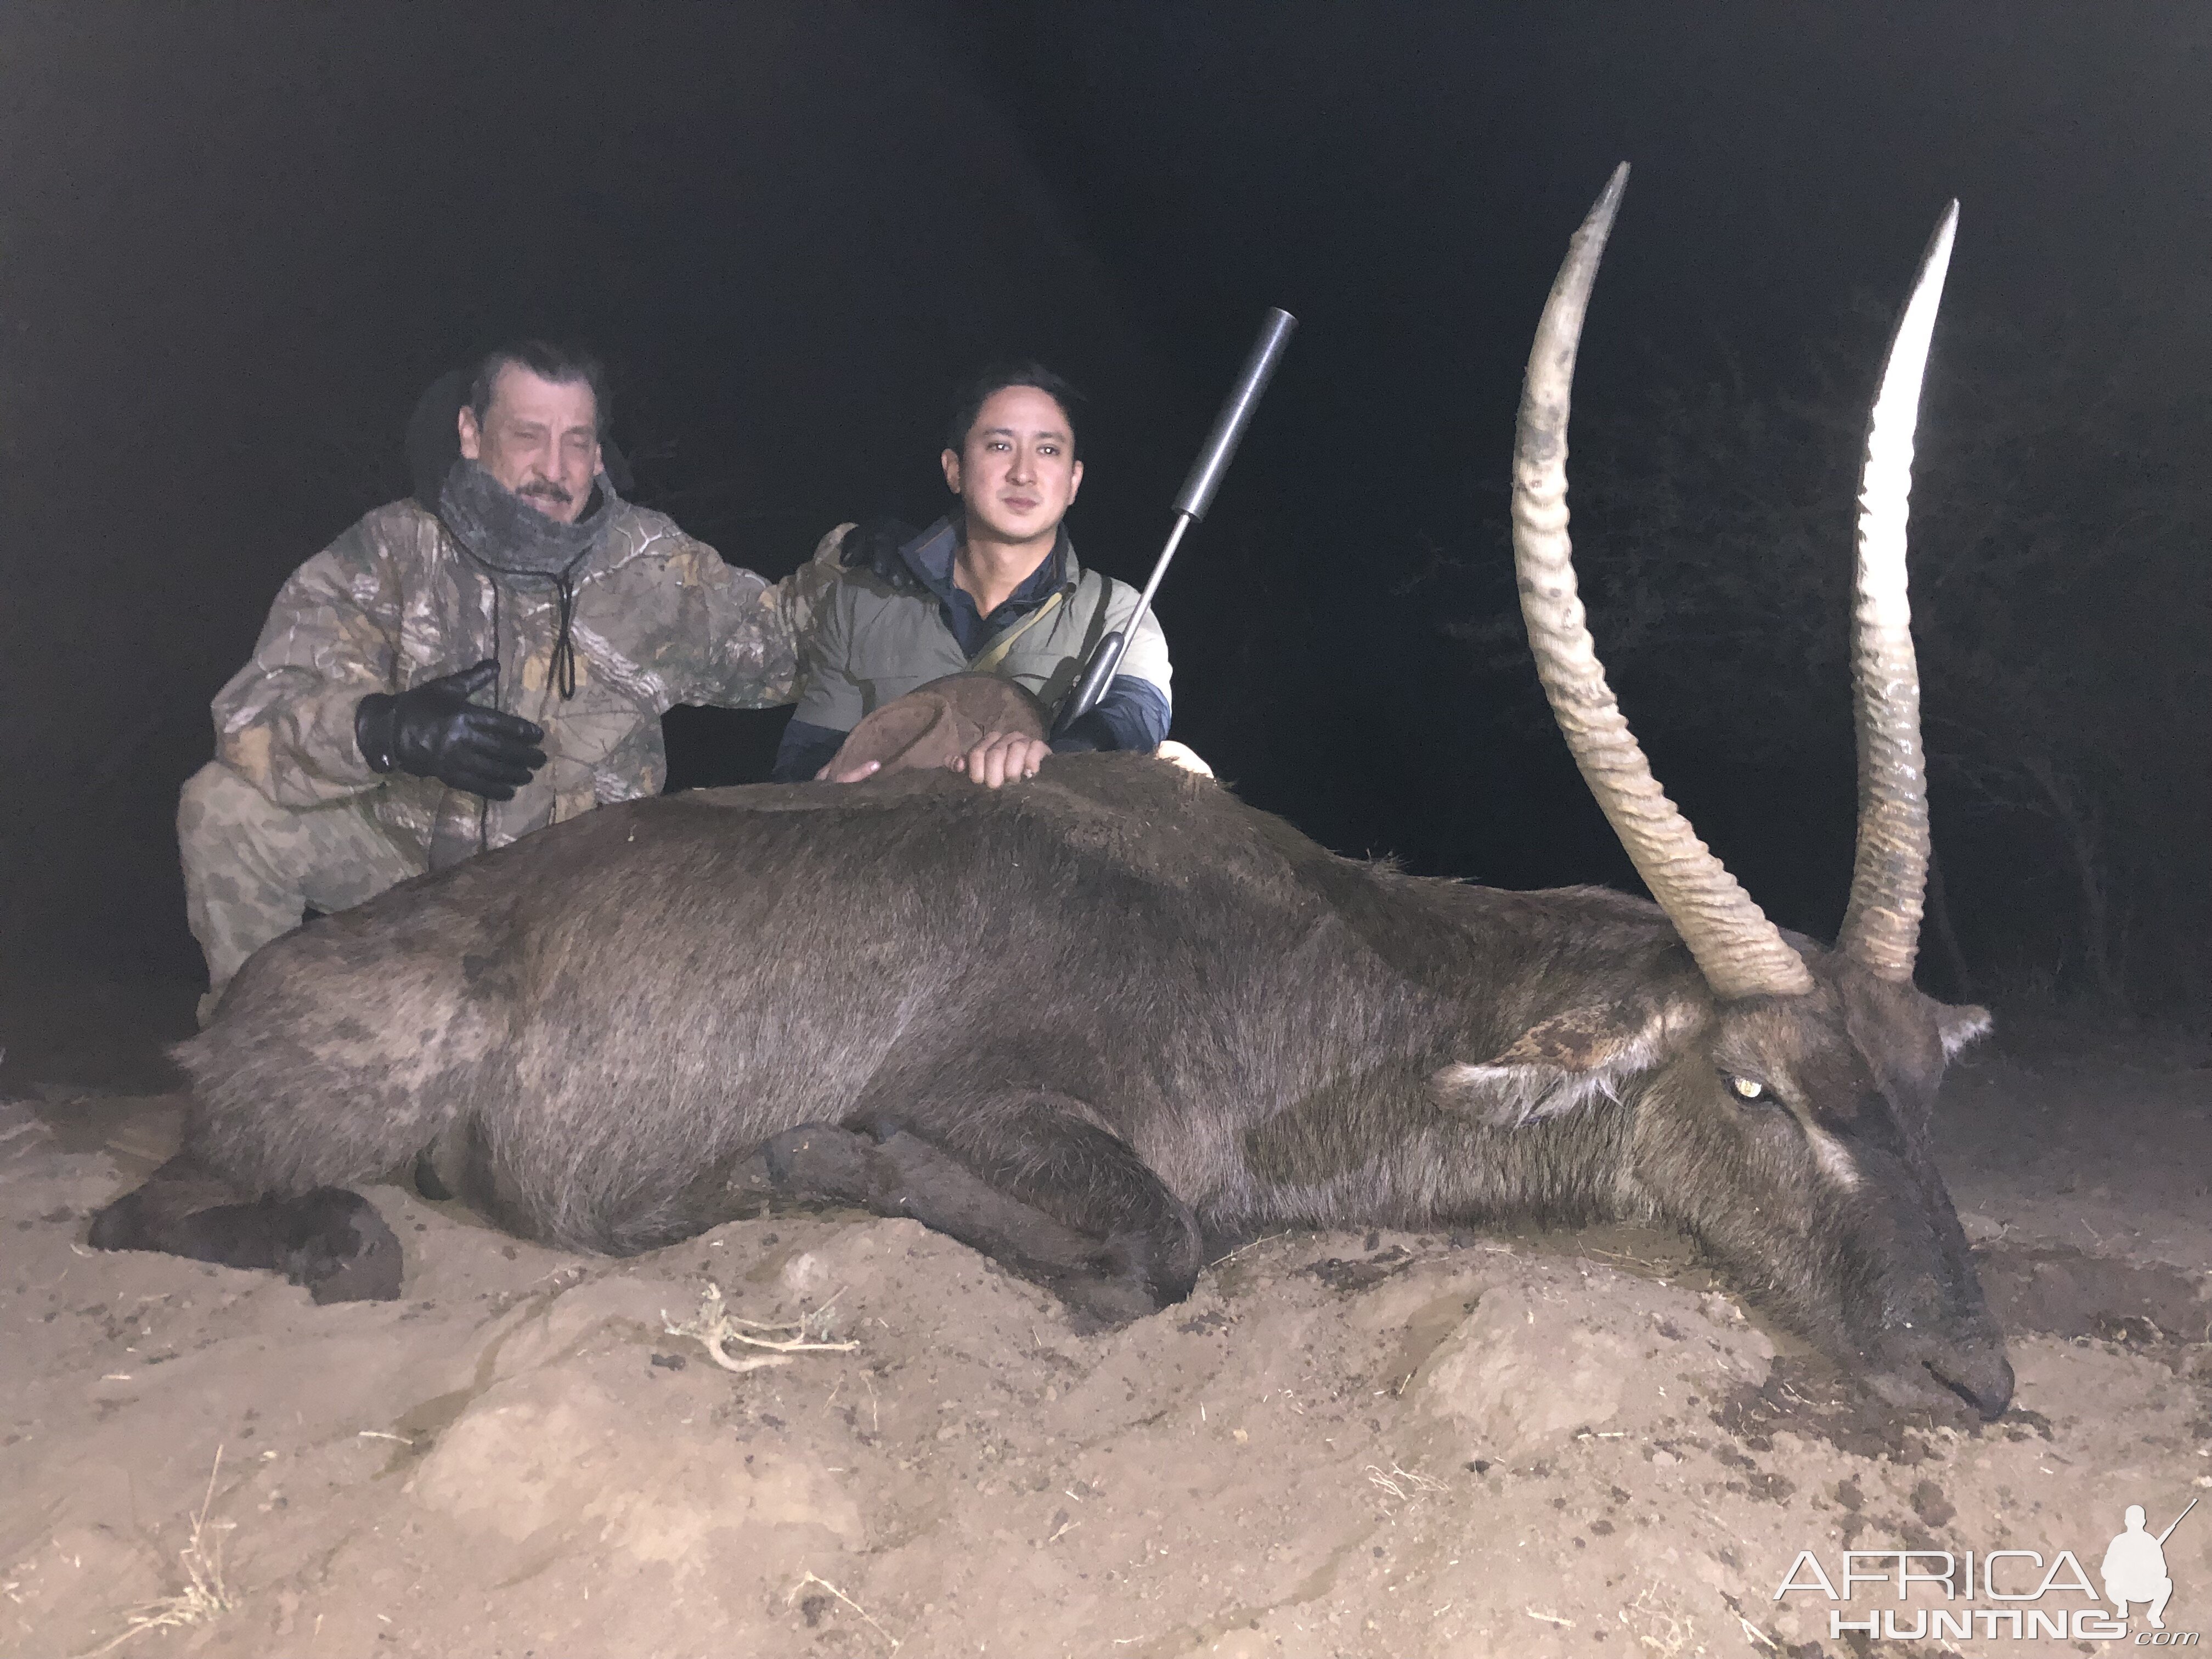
[236, 241]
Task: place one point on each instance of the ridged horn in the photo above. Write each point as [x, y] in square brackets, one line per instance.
[1740, 952]
[1889, 871]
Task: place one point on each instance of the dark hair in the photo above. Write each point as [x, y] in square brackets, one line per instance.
[562, 364]
[995, 379]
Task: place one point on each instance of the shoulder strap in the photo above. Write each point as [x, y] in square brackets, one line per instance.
[1092, 635]
[987, 660]
[1096, 631]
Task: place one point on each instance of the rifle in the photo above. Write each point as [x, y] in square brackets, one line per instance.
[1190, 504]
[2176, 1522]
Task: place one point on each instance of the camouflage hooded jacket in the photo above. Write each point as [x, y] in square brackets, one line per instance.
[659, 619]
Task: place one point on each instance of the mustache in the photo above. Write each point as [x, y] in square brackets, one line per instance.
[545, 487]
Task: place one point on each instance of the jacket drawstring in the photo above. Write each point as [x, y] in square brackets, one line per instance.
[563, 668]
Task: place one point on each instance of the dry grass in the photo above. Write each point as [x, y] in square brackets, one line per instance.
[205, 1597]
[1669, 1630]
[1407, 1485]
[1753, 1633]
[811, 1578]
[715, 1329]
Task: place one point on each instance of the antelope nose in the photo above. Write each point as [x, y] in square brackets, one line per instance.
[1977, 1372]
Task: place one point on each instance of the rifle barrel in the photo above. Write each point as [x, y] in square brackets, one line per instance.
[1259, 366]
[2176, 1522]
[1190, 504]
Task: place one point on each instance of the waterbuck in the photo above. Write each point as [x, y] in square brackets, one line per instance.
[1094, 1023]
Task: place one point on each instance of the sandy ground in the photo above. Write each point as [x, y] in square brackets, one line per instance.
[1343, 1444]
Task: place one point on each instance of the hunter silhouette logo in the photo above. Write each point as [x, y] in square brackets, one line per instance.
[2134, 1568]
[2026, 1598]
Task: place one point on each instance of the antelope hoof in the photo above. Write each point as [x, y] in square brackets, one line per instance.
[334, 1242]
[820, 1160]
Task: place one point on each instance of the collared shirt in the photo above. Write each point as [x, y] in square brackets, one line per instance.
[930, 556]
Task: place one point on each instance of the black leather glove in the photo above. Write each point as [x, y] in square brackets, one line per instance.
[873, 545]
[433, 730]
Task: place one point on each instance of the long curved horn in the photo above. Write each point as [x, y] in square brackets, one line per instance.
[1740, 952]
[1889, 873]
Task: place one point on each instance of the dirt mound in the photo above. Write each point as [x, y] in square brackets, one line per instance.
[1342, 1444]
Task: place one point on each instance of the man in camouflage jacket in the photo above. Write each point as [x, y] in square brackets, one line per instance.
[439, 682]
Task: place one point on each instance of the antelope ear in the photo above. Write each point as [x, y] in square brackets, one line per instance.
[1959, 1027]
[1557, 1065]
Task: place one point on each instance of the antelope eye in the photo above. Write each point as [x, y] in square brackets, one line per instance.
[1745, 1088]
